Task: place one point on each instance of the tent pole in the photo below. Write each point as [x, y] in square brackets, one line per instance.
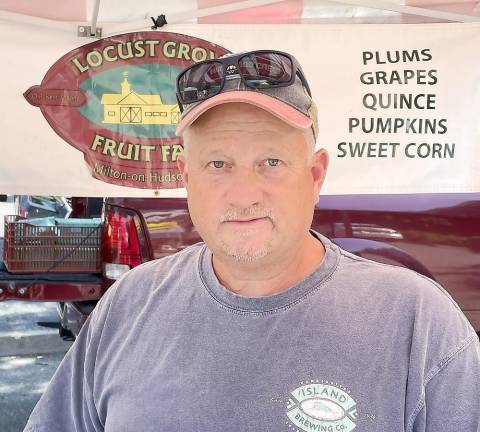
[93, 26]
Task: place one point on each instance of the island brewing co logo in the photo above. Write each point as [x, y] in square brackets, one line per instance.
[114, 100]
[320, 406]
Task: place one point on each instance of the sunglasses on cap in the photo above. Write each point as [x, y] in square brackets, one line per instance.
[259, 70]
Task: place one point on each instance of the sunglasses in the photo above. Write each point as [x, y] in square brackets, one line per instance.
[258, 70]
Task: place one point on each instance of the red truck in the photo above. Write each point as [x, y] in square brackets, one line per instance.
[437, 235]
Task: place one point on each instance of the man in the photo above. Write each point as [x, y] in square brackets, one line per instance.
[267, 326]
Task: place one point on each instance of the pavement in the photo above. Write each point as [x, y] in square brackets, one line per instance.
[23, 379]
[29, 328]
[30, 352]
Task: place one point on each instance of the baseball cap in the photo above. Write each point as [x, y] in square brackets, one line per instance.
[290, 103]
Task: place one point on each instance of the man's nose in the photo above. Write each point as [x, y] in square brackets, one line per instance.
[245, 189]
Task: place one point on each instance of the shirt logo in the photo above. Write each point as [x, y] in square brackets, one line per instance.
[323, 407]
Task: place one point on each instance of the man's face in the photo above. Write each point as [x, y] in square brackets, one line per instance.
[252, 182]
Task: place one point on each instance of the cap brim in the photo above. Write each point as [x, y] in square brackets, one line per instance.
[274, 106]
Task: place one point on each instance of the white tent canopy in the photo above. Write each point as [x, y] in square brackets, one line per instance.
[135, 15]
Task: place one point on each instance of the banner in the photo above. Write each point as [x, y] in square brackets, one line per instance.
[398, 106]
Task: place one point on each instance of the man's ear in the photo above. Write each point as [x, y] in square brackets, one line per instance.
[182, 167]
[319, 170]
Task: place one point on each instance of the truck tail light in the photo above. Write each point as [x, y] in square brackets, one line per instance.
[123, 241]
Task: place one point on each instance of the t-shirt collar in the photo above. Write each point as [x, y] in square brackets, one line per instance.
[271, 303]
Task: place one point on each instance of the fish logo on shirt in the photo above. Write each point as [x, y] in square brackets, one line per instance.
[321, 406]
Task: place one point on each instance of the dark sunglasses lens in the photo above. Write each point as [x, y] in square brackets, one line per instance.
[264, 70]
[200, 82]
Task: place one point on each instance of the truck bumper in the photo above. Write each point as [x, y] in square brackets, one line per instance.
[52, 287]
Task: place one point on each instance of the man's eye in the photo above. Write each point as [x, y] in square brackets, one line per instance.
[273, 162]
[217, 164]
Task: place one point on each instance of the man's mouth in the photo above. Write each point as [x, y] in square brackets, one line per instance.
[247, 222]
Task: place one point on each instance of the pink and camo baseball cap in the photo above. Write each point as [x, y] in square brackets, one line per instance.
[291, 104]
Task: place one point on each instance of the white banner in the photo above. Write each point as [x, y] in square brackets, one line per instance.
[398, 105]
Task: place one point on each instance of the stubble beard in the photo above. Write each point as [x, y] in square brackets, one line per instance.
[247, 254]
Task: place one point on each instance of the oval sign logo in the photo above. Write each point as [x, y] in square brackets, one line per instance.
[114, 100]
[320, 406]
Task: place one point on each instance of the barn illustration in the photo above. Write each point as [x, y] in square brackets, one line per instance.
[129, 107]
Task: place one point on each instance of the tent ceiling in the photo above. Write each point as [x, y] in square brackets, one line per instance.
[249, 11]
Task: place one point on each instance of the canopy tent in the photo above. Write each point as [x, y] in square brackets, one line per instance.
[35, 35]
[135, 16]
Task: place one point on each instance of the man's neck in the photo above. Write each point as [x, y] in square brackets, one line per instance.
[262, 278]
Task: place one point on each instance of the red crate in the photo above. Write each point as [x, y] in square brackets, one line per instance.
[58, 249]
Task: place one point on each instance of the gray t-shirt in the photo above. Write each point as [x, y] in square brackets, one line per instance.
[356, 345]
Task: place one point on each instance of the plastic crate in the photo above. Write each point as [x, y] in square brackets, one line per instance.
[50, 246]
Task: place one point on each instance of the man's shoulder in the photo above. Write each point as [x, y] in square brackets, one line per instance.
[135, 286]
[363, 275]
[187, 259]
[402, 293]
[390, 279]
